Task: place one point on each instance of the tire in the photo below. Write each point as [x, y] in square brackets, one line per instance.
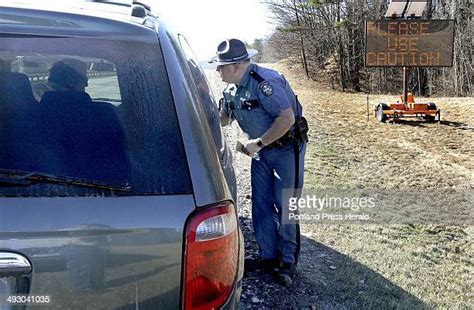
[430, 118]
[381, 117]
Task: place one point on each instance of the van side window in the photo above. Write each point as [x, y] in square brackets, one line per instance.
[204, 91]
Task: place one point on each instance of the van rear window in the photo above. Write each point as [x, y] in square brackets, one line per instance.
[97, 115]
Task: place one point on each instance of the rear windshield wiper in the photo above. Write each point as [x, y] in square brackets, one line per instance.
[23, 178]
[108, 99]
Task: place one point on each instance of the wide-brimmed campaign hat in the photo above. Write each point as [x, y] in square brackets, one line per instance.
[231, 51]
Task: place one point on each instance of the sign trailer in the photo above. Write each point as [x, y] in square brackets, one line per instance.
[408, 43]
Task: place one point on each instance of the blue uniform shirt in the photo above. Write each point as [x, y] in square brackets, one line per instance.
[254, 105]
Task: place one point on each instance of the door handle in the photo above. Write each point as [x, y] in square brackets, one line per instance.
[14, 264]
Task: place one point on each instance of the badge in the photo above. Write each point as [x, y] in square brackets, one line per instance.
[266, 89]
[250, 104]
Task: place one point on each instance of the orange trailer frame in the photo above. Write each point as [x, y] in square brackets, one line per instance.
[428, 110]
[407, 107]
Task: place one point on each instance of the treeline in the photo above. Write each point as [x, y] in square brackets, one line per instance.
[327, 39]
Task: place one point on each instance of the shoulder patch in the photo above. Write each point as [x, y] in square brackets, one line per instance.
[263, 85]
[266, 88]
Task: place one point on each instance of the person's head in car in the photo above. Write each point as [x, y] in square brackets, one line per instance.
[68, 75]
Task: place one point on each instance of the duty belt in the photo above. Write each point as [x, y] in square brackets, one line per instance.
[298, 134]
[288, 137]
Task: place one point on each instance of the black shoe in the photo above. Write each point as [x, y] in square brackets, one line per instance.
[286, 273]
[265, 265]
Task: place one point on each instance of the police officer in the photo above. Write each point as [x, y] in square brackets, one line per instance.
[264, 105]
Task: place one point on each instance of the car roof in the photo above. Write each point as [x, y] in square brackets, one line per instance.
[86, 19]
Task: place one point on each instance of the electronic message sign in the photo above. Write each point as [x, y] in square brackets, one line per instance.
[409, 43]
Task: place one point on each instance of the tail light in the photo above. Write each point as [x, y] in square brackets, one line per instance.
[211, 257]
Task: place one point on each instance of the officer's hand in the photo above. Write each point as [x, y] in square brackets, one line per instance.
[252, 147]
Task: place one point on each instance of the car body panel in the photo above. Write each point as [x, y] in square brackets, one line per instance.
[99, 252]
[121, 251]
[38, 22]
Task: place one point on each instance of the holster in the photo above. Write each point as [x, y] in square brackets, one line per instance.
[301, 129]
[298, 134]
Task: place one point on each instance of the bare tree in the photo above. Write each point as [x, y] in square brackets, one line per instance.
[327, 36]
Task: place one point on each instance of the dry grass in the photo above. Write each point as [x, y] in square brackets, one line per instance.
[432, 264]
[375, 266]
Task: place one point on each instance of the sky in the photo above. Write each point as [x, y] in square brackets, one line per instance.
[205, 23]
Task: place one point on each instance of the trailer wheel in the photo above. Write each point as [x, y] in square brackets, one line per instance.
[430, 118]
[381, 117]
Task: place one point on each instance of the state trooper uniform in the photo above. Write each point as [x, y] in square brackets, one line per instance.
[257, 100]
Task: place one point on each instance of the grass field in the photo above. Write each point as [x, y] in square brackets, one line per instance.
[430, 263]
[424, 262]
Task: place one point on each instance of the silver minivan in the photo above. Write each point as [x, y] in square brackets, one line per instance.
[116, 185]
